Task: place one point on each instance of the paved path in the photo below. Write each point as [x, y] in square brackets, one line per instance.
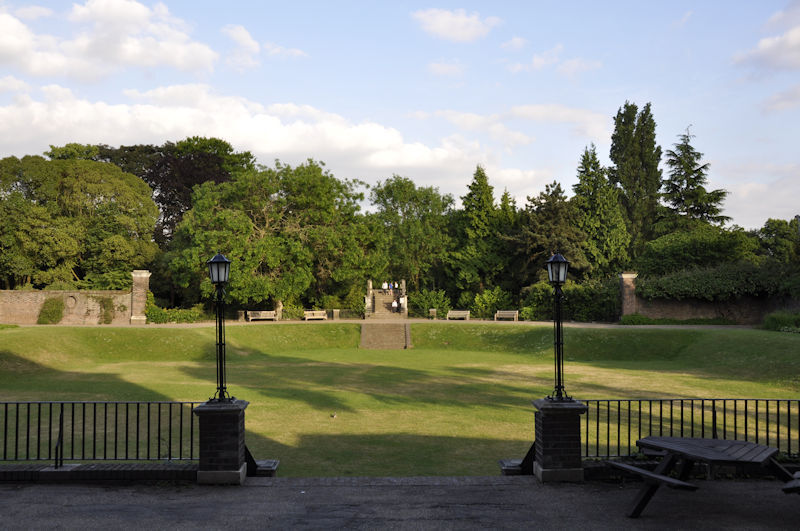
[395, 503]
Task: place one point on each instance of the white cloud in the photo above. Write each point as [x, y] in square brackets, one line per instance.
[685, 18]
[584, 122]
[12, 84]
[785, 18]
[516, 43]
[33, 12]
[245, 55]
[787, 99]
[490, 124]
[781, 52]
[446, 69]
[573, 67]
[752, 186]
[456, 25]
[275, 50]
[120, 33]
[539, 60]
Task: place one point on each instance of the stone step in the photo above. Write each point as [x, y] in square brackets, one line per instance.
[384, 336]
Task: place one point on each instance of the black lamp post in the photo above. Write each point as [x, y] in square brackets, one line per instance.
[219, 268]
[557, 267]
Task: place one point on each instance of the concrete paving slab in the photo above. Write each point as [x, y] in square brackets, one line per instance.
[503, 502]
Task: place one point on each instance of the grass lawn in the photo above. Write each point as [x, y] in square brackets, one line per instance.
[453, 405]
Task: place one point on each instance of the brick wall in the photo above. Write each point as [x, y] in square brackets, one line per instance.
[80, 307]
[746, 310]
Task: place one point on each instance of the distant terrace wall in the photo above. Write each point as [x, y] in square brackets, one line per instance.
[746, 310]
[81, 307]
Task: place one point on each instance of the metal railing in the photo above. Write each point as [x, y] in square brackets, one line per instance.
[98, 431]
[611, 427]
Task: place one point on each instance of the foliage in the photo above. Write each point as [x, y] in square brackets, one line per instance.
[637, 319]
[354, 301]
[636, 157]
[703, 246]
[591, 300]
[780, 239]
[600, 216]
[724, 282]
[67, 220]
[158, 315]
[421, 301]
[684, 189]
[291, 233]
[487, 303]
[547, 226]
[411, 225]
[111, 280]
[781, 320]
[52, 311]
[106, 310]
[292, 310]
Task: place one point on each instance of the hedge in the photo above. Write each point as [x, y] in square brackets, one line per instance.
[593, 300]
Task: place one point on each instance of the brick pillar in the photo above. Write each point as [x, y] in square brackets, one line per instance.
[222, 457]
[141, 284]
[627, 289]
[558, 440]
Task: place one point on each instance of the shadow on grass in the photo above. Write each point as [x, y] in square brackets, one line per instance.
[24, 380]
[389, 454]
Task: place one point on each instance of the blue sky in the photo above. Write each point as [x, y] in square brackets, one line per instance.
[423, 90]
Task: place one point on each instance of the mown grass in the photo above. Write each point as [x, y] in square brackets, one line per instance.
[453, 405]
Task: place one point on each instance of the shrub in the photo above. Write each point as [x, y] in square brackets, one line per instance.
[292, 310]
[593, 300]
[330, 302]
[420, 302]
[723, 282]
[52, 311]
[106, 310]
[782, 319]
[488, 302]
[158, 315]
[61, 285]
[354, 301]
[465, 300]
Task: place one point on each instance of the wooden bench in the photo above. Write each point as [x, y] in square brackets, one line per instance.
[458, 314]
[506, 314]
[252, 315]
[653, 477]
[314, 314]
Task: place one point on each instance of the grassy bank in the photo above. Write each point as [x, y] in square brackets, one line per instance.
[452, 405]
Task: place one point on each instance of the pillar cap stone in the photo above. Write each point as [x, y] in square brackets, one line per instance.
[546, 404]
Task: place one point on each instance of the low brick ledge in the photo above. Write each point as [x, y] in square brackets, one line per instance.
[46, 473]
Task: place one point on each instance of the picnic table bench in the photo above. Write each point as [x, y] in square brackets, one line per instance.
[689, 450]
[314, 314]
[506, 314]
[252, 315]
[458, 314]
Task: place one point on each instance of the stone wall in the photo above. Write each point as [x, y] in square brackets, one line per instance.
[81, 307]
[746, 310]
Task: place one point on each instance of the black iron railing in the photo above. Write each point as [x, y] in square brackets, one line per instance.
[98, 431]
[610, 427]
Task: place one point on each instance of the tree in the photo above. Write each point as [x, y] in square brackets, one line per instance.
[293, 233]
[600, 217]
[548, 226]
[72, 221]
[780, 239]
[475, 261]
[413, 230]
[684, 190]
[636, 158]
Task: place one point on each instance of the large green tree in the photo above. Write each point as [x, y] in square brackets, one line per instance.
[599, 216]
[73, 221]
[293, 233]
[636, 157]
[476, 260]
[413, 229]
[549, 225]
[684, 189]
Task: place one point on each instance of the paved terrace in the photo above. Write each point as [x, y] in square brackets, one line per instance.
[501, 502]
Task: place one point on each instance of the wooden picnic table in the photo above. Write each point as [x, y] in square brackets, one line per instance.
[686, 451]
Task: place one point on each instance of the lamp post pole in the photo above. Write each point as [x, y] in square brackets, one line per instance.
[218, 270]
[557, 267]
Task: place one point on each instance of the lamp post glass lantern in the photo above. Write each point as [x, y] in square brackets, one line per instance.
[557, 267]
[219, 268]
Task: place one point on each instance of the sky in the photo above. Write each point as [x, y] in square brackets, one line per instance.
[423, 90]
